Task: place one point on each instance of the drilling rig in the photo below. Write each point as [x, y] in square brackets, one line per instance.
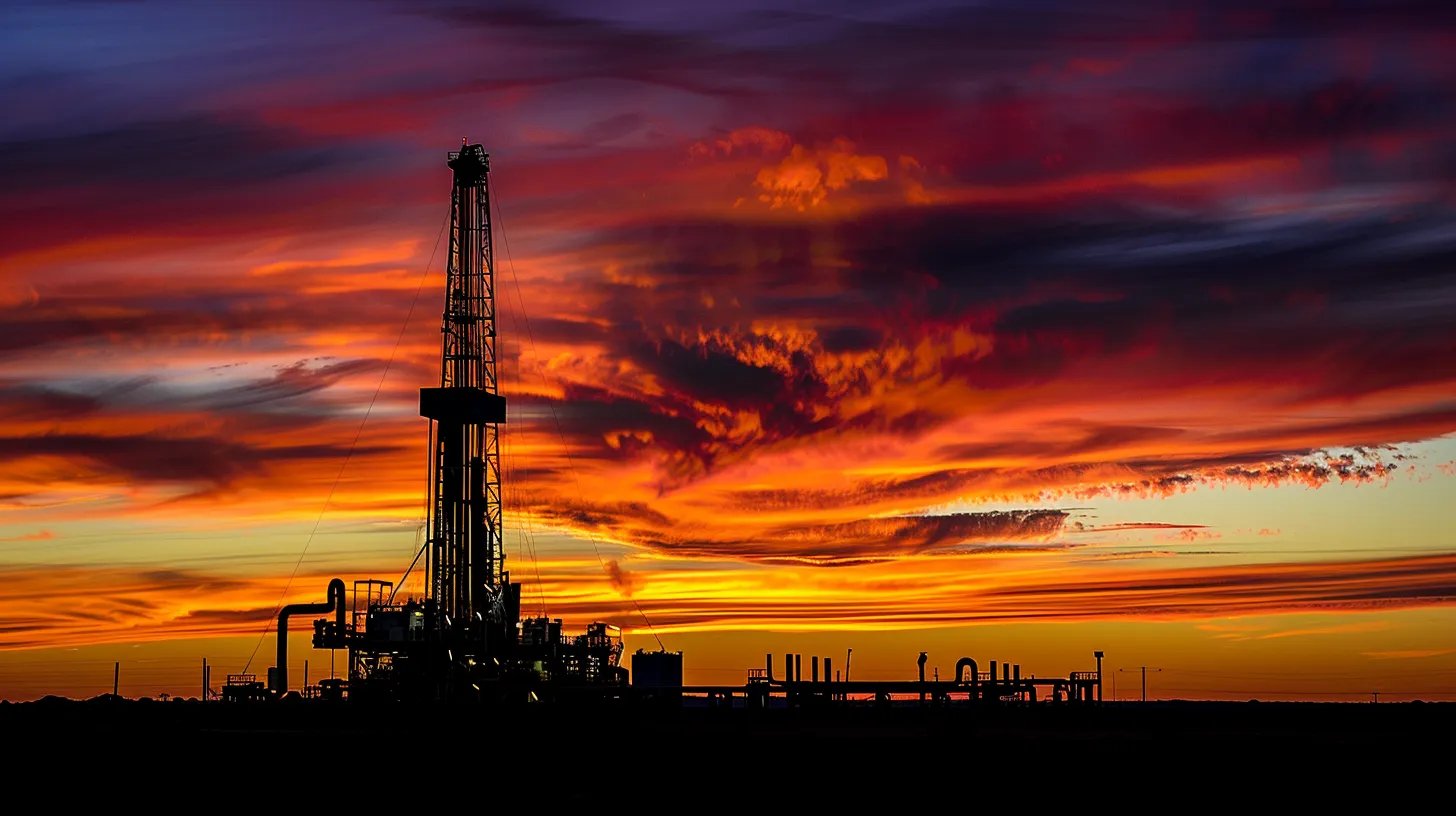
[465, 640]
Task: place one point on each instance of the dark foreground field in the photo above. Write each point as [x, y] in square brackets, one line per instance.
[1199, 753]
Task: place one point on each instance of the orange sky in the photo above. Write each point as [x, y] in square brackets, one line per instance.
[1037, 355]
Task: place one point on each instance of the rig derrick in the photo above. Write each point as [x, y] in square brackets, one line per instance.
[465, 639]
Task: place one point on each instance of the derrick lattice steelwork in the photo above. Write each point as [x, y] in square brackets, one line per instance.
[466, 571]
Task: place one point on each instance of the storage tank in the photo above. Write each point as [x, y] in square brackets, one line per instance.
[657, 669]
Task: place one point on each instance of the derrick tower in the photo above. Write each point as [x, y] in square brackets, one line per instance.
[467, 584]
[465, 639]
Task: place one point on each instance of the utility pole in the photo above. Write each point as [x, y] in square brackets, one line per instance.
[116, 678]
[1144, 670]
[203, 698]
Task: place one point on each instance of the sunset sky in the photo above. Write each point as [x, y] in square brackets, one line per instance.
[1012, 329]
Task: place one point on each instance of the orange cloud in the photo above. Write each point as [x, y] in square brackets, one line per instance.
[1408, 654]
[1333, 629]
[1193, 535]
[806, 176]
[107, 604]
[43, 535]
[916, 594]
[61, 606]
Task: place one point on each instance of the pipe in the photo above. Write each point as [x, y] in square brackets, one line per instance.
[334, 604]
[960, 676]
[960, 672]
[920, 664]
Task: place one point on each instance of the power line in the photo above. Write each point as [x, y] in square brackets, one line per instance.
[424, 275]
[565, 448]
[526, 536]
[1307, 675]
[1310, 692]
[422, 539]
[1144, 670]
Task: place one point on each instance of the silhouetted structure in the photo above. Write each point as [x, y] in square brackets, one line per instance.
[968, 685]
[465, 640]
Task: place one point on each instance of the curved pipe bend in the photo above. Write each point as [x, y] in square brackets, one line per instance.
[960, 672]
[334, 604]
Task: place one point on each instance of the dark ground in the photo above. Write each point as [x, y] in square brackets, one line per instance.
[1136, 754]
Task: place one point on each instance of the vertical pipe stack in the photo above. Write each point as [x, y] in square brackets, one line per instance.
[920, 665]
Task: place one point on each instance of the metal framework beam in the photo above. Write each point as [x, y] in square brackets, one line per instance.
[466, 569]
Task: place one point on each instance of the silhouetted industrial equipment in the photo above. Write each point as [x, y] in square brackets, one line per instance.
[243, 688]
[657, 670]
[278, 674]
[967, 685]
[465, 639]
[658, 676]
